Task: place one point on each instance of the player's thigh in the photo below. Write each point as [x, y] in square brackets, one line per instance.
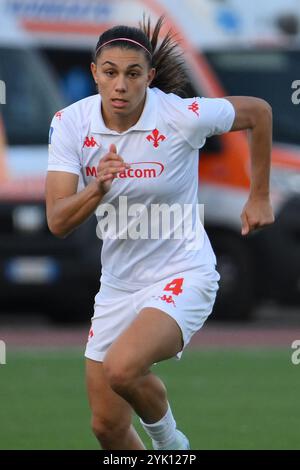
[109, 410]
[152, 337]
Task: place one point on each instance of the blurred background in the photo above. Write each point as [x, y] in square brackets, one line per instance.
[240, 363]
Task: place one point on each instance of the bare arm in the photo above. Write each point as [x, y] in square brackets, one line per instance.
[255, 115]
[67, 209]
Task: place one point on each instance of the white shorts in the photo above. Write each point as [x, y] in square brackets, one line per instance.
[188, 297]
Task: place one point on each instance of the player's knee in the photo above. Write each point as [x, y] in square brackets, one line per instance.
[120, 376]
[107, 429]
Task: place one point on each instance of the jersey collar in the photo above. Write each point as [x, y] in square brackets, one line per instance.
[147, 121]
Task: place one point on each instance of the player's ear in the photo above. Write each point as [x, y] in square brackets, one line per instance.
[94, 71]
[151, 75]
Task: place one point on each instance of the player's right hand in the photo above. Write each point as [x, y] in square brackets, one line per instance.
[108, 167]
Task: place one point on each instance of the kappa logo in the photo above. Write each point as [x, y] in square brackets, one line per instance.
[91, 333]
[58, 115]
[90, 142]
[168, 298]
[194, 107]
[155, 137]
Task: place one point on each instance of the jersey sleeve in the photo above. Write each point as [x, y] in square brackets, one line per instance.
[63, 145]
[198, 118]
[216, 116]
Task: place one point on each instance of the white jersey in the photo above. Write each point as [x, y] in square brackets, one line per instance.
[149, 219]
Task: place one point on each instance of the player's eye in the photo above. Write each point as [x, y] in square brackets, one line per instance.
[109, 73]
[133, 74]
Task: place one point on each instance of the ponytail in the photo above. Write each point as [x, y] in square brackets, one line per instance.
[167, 59]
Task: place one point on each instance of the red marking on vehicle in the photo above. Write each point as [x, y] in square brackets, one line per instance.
[23, 188]
[194, 107]
[59, 115]
[90, 142]
[168, 299]
[156, 137]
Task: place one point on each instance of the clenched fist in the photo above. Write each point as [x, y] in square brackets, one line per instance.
[108, 167]
[257, 213]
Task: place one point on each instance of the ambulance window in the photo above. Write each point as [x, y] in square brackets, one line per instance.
[73, 69]
[31, 96]
[267, 74]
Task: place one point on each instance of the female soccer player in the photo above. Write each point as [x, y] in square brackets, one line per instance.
[135, 145]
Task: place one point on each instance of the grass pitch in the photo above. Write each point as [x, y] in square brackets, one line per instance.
[237, 399]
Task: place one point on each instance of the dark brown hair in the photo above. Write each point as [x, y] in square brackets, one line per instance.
[165, 57]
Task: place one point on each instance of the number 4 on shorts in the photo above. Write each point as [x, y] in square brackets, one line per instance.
[175, 286]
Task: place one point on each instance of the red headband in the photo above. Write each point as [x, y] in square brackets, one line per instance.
[123, 39]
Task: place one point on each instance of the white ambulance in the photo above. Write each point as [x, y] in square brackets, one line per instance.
[264, 265]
